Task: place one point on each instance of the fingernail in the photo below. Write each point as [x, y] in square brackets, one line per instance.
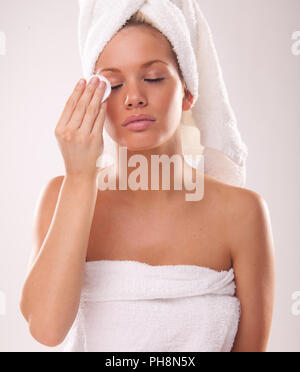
[81, 82]
[95, 80]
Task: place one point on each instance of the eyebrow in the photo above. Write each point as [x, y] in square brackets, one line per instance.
[143, 65]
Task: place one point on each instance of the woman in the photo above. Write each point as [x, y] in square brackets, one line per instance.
[142, 270]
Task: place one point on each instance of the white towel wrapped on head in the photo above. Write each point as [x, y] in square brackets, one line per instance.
[184, 25]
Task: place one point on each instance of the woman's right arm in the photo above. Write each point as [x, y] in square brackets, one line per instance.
[51, 292]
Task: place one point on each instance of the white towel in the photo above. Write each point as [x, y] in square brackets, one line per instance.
[183, 23]
[131, 306]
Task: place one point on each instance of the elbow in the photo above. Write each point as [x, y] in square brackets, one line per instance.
[45, 335]
[43, 327]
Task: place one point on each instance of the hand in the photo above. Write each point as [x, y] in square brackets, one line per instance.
[79, 131]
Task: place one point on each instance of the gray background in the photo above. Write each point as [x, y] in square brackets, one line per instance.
[38, 71]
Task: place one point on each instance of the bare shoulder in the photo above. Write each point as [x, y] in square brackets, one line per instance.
[58, 180]
[237, 200]
[246, 204]
[48, 196]
[51, 189]
[246, 211]
[249, 223]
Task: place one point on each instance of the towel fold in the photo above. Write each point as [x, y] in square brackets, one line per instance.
[131, 306]
[130, 280]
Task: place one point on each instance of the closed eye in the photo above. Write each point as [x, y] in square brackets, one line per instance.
[149, 80]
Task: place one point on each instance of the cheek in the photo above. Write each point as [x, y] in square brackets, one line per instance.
[173, 107]
[171, 99]
[164, 97]
[112, 105]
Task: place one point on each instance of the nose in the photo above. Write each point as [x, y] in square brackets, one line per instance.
[139, 103]
[135, 99]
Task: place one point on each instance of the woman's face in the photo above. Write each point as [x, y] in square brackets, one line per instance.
[132, 92]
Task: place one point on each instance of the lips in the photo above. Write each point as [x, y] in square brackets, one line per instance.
[136, 118]
[137, 126]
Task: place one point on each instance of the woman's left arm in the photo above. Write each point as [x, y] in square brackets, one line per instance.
[253, 258]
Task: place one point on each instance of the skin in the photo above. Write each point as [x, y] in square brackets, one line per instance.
[237, 217]
[164, 100]
[229, 227]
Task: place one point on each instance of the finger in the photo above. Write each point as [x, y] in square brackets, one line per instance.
[83, 103]
[100, 120]
[71, 103]
[93, 110]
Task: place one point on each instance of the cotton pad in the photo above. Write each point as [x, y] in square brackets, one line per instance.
[107, 88]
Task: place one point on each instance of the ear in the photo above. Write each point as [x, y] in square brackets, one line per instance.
[187, 100]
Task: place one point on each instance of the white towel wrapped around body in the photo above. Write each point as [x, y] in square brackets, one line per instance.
[130, 306]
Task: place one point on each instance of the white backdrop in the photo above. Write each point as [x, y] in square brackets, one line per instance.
[259, 49]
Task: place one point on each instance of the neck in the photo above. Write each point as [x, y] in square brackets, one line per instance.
[138, 175]
[142, 173]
